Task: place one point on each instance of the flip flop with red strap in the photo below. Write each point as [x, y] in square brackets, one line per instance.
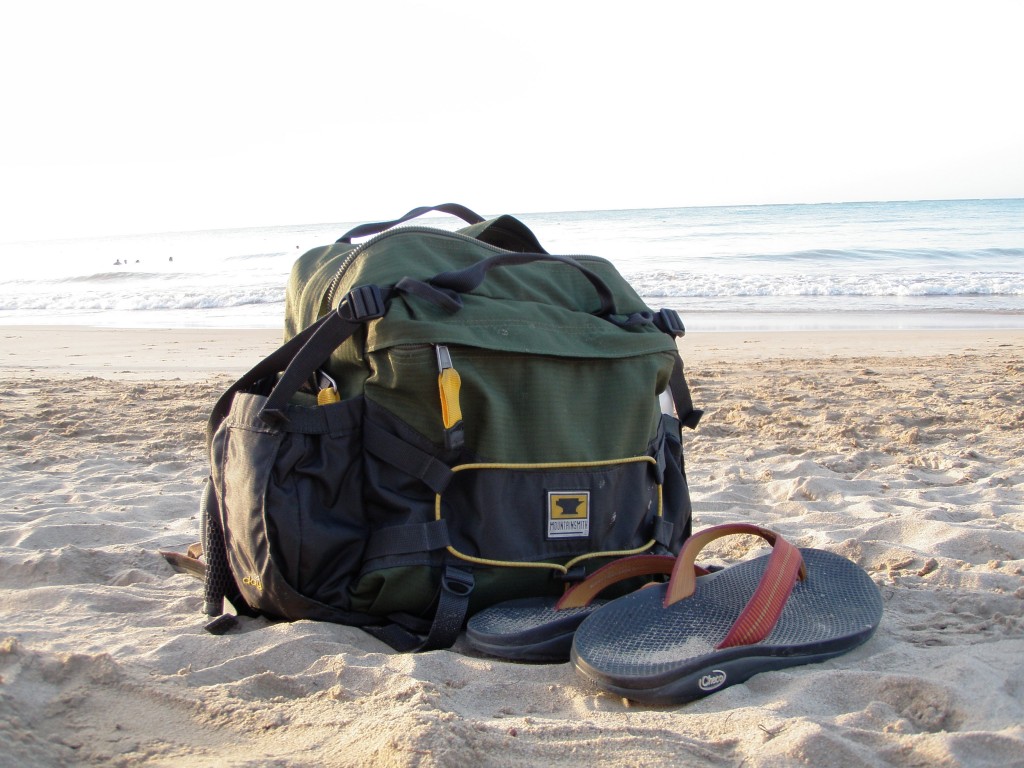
[679, 641]
[540, 629]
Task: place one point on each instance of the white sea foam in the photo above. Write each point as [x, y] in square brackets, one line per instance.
[873, 257]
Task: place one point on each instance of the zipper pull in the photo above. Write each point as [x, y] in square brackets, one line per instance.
[328, 389]
[449, 383]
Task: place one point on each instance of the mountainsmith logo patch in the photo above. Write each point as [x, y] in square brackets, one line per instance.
[568, 514]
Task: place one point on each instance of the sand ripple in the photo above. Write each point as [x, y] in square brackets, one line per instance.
[913, 468]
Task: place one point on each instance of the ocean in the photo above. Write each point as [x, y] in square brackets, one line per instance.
[901, 265]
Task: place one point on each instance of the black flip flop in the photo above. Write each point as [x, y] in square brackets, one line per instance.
[540, 629]
[680, 641]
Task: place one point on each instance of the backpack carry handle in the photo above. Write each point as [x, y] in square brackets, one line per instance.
[468, 216]
[465, 280]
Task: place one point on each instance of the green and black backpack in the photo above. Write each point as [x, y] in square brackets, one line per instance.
[454, 419]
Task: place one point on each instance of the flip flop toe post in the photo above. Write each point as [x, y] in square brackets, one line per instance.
[683, 640]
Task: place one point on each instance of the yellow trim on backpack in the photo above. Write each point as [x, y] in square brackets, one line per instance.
[558, 465]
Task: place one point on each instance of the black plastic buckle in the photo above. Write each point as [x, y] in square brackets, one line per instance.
[363, 303]
[668, 321]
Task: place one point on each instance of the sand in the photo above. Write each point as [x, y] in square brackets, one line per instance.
[902, 451]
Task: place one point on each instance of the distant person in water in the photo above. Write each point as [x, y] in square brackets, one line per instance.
[117, 263]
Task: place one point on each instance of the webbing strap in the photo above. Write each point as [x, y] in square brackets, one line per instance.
[275, 362]
[688, 415]
[330, 332]
[301, 355]
[332, 419]
[406, 539]
[401, 455]
[397, 636]
[447, 300]
[453, 605]
[405, 633]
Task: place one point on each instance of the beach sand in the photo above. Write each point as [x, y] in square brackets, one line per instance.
[900, 450]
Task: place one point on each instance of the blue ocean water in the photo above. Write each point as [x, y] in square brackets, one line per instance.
[928, 264]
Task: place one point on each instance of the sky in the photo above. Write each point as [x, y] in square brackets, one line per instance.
[132, 117]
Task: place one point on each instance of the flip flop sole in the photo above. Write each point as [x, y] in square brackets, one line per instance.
[529, 629]
[636, 648]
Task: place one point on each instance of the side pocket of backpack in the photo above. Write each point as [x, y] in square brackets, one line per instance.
[315, 513]
[291, 508]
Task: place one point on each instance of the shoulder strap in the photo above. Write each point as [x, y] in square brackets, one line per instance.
[301, 355]
[668, 321]
[688, 415]
[362, 305]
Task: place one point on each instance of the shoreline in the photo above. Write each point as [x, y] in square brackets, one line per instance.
[782, 319]
[195, 354]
